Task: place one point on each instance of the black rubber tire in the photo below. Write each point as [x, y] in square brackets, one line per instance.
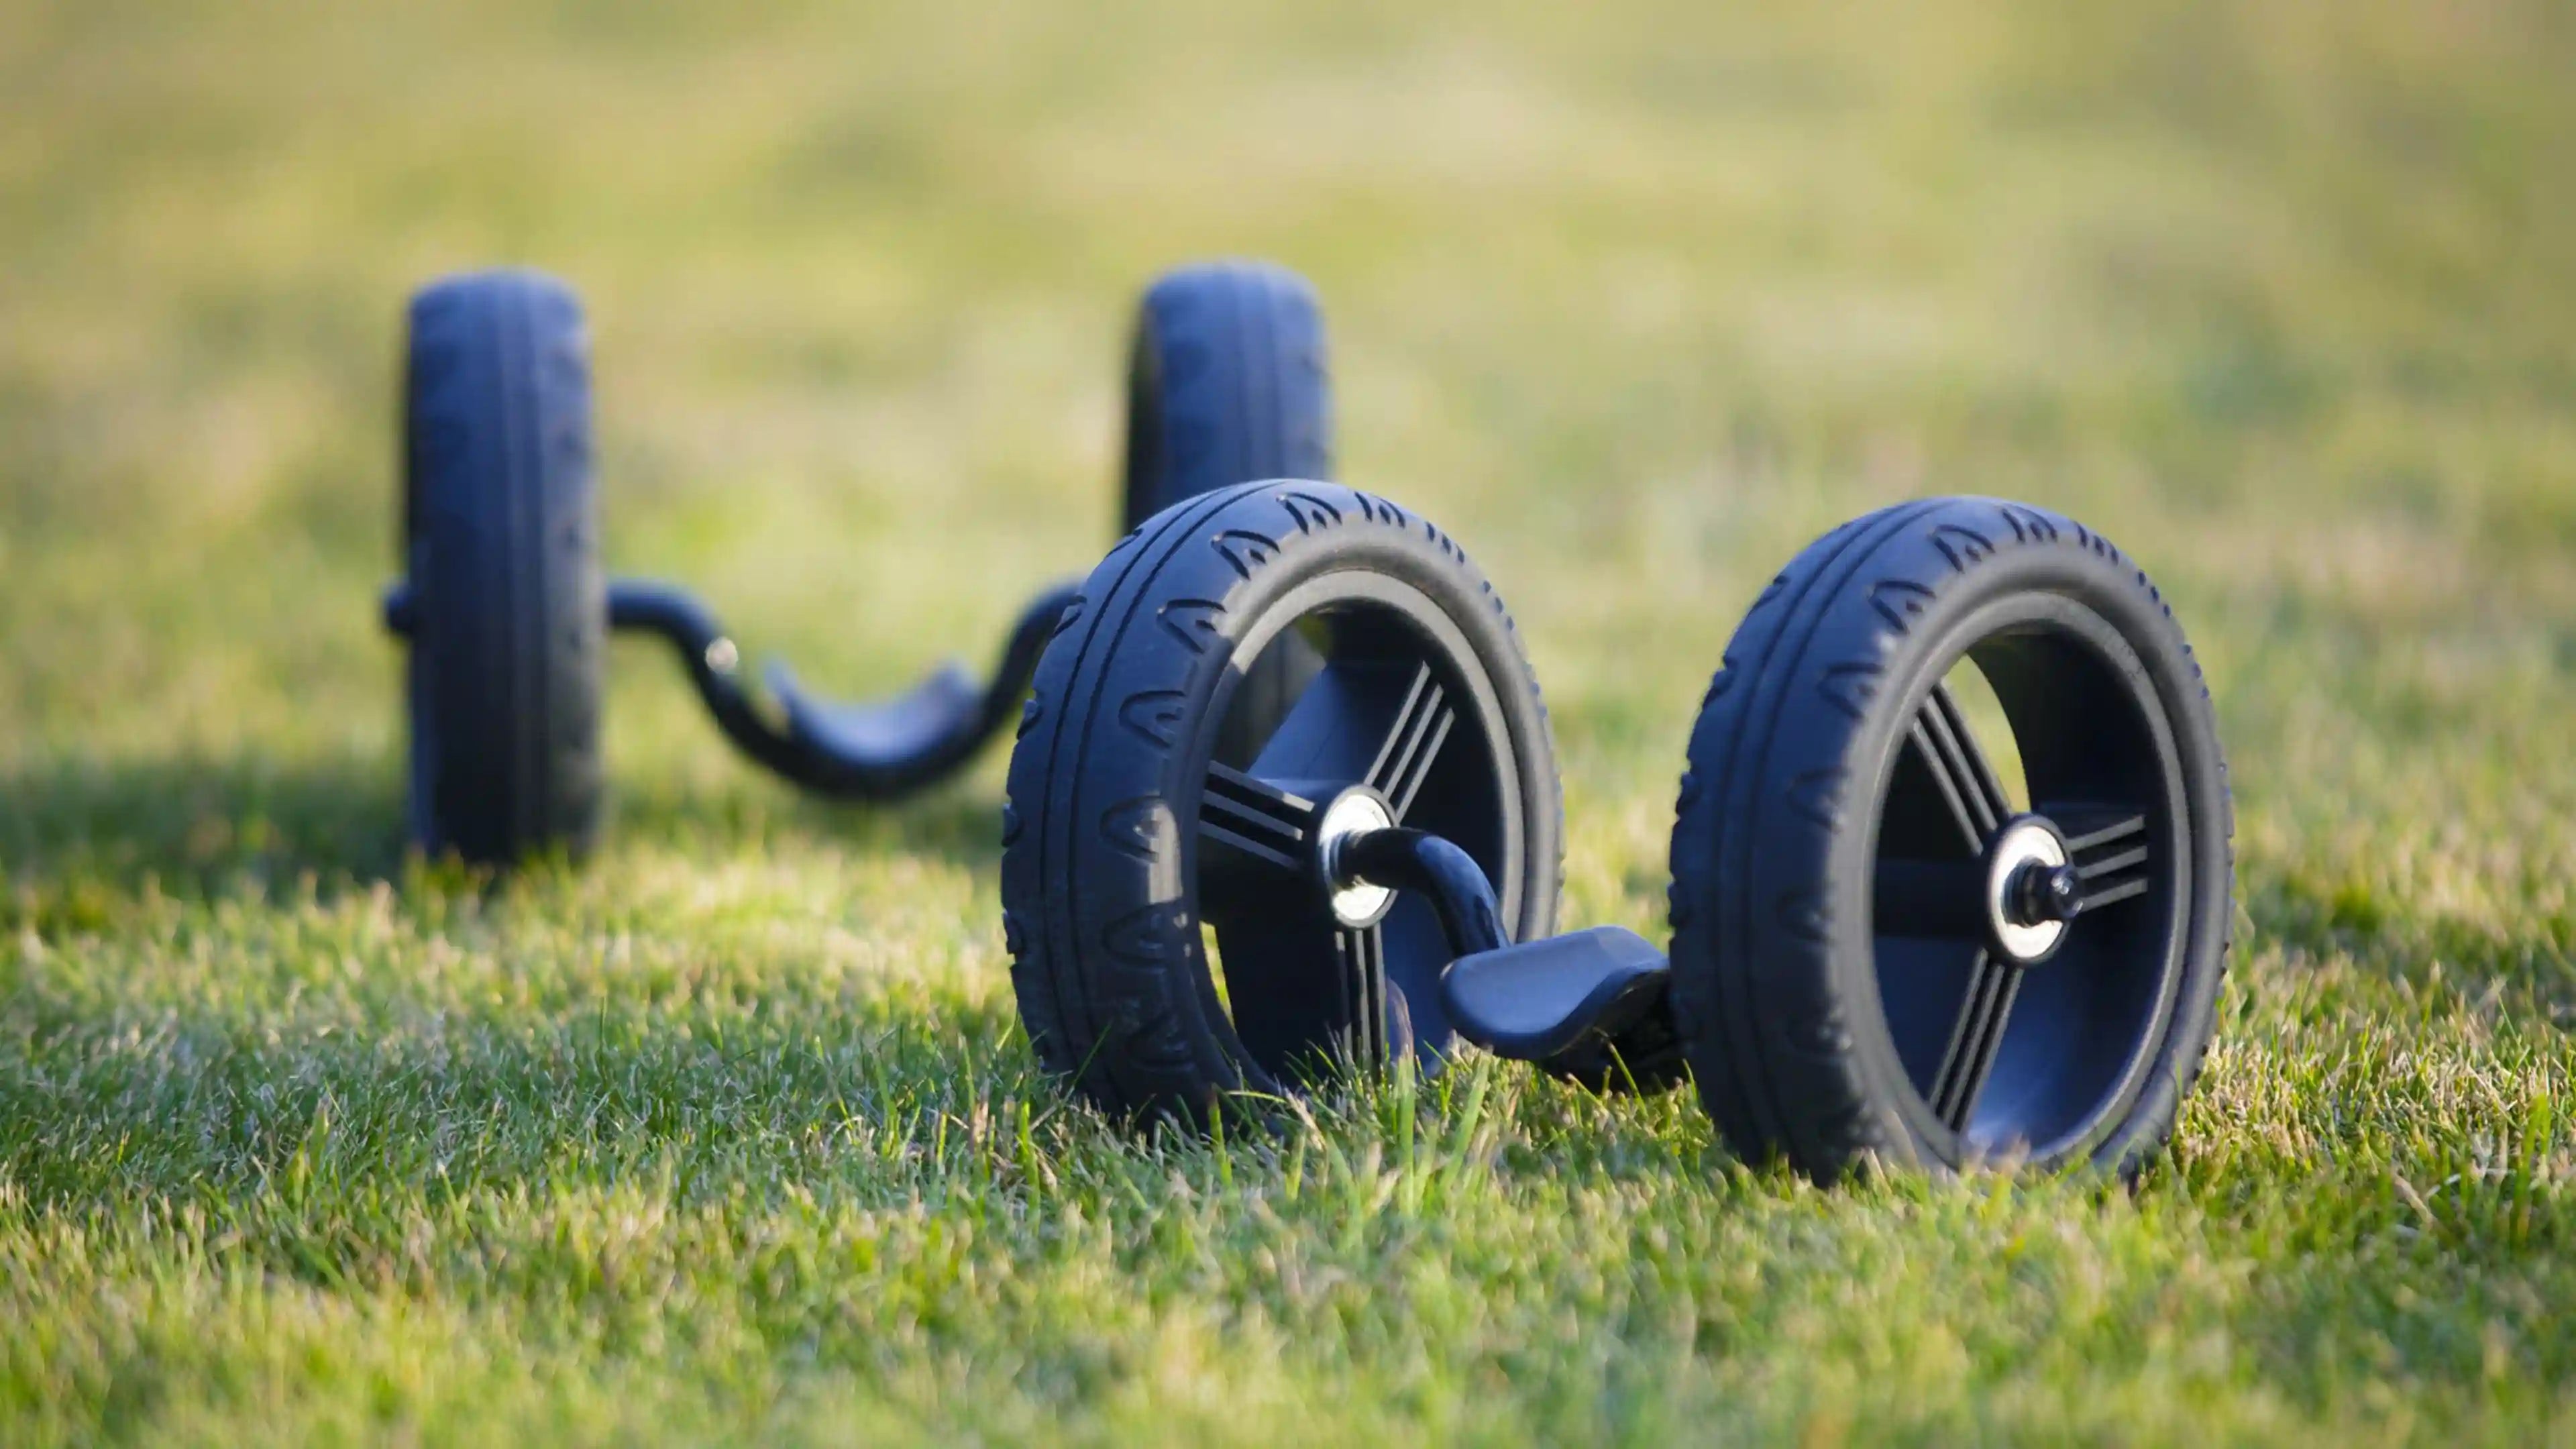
[1229, 381]
[1099, 877]
[508, 604]
[1775, 988]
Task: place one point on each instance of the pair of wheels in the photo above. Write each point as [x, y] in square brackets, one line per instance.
[1214, 891]
[507, 611]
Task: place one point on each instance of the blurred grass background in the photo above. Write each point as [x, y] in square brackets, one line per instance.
[732, 1134]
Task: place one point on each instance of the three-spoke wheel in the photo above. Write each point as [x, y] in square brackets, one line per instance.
[1177, 929]
[1877, 948]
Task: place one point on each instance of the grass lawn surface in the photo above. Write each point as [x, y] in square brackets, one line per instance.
[732, 1134]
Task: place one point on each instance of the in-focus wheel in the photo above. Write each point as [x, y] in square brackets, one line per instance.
[507, 608]
[1872, 955]
[1229, 381]
[1131, 842]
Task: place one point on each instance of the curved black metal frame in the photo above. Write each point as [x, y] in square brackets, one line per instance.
[867, 750]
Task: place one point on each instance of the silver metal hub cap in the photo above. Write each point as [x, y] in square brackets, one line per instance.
[1354, 813]
[2023, 846]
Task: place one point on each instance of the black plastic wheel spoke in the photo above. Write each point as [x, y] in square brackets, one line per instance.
[2127, 890]
[1975, 1038]
[1257, 824]
[2108, 845]
[1361, 956]
[1421, 726]
[1940, 735]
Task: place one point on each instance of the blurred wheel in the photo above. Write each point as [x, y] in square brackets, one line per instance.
[505, 605]
[1229, 382]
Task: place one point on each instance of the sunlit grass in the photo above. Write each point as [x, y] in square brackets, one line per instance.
[732, 1133]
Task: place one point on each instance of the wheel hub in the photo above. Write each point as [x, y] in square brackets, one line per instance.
[1353, 813]
[2033, 891]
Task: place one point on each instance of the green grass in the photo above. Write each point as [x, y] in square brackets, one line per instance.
[733, 1134]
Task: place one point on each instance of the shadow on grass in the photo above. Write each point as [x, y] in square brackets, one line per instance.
[78, 838]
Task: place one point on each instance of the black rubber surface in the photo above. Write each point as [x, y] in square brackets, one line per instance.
[507, 658]
[1102, 862]
[1539, 999]
[1229, 381]
[1777, 983]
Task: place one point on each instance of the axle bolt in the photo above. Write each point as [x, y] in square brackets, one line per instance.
[2047, 893]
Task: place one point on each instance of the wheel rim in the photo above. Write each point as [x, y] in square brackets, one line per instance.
[1399, 711]
[2040, 1052]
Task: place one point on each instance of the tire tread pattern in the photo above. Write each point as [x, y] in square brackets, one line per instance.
[511, 607]
[1103, 945]
[1770, 1037]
